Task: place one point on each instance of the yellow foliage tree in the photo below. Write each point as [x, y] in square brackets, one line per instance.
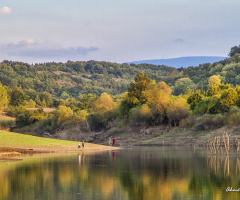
[104, 103]
[178, 110]
[62, 114]
[214, 81]
[80, 116]
[3, 96]
[158, 96]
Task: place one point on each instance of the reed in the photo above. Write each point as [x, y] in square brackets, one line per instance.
[222, 143]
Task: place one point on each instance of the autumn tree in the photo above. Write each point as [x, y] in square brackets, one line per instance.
[158, 96]
[178, 110]
[3, 96]
[61, 115]
[227, 99]
[214, 83]
[104, 103]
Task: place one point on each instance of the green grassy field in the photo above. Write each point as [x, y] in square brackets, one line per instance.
[14, 140]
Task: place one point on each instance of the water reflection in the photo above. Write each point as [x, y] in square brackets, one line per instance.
[144, 173]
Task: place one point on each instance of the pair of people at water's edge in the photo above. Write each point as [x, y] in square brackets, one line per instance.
[79, 144]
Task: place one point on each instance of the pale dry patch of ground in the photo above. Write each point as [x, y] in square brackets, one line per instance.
[46, 110]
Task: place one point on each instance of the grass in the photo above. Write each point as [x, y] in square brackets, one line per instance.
[13, 140]
[146, 141]
[5, 118]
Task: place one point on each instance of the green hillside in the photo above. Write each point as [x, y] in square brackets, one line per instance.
[73, 79]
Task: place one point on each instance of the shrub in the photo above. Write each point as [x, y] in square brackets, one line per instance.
[28, 117]
[61, 117]
[202, 106]
[7, 124]
[233, 117]
[15, 111]
[140, 115]
[95, 122]
[212, 121]
[178, 110]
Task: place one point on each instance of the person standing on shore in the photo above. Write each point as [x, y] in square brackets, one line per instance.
[79, 145]
[83, 144]
[114, 140]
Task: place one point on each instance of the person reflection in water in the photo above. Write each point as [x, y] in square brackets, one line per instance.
[114, 140]
[81, 159]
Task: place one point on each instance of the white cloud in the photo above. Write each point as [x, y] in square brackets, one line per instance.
[32, 49]
[5, 10]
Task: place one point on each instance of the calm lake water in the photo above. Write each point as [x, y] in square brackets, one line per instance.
[138, 173]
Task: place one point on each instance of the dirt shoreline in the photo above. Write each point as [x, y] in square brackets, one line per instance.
[10, 151]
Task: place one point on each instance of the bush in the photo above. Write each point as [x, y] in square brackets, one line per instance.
[95, 122]
[7, 124]
[202, 106]
[28, 117]
[80, 116]
[212, 121]
[140, 115]
[188, 122]
[15, 111]
[61, 116]
[233, 117]
[178, 110]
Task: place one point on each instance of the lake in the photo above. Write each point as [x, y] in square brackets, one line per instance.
[133, 173]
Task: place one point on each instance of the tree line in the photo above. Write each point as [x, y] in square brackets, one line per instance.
[100, 92]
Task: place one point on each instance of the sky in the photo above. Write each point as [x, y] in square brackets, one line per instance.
[37, 31]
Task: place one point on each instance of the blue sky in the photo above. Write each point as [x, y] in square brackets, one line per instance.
[116, 31]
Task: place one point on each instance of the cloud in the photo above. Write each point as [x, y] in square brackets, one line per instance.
[31, 48]
[5, 11]
[178, 40]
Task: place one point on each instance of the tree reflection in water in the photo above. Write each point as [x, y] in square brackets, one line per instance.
[141, 173]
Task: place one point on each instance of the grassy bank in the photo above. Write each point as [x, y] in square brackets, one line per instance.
[19, 142]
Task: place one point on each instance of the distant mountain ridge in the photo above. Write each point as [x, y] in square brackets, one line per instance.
[182, 61]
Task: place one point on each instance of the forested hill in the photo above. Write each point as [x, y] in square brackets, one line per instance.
[73, 79]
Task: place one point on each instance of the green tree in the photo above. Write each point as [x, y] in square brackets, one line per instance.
[17, 97]
[28, 117]
[194, 99]
[234, 50]
[182, 84]
[137, 89]
[65, 95]
[136, 93]
[30, 94]
[46, 99]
